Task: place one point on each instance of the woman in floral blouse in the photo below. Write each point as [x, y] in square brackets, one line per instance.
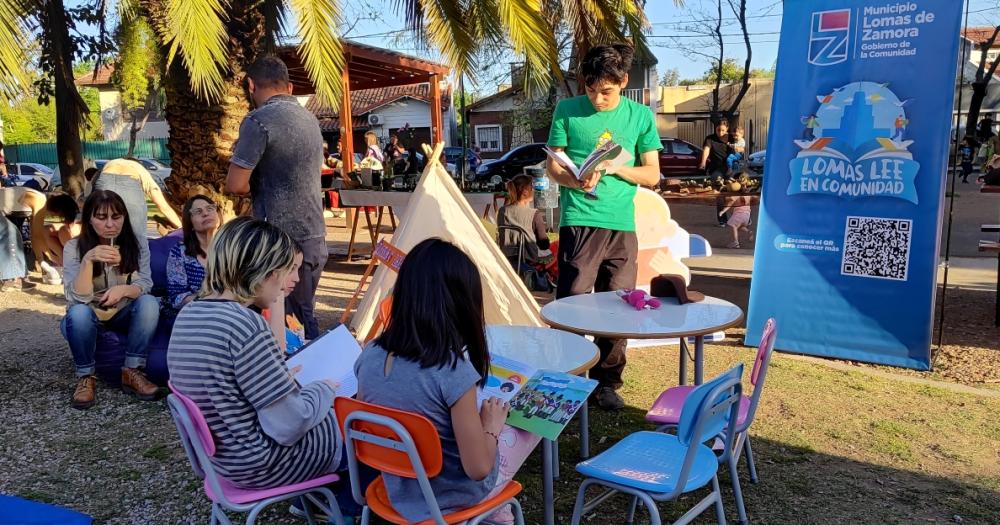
[186, 262]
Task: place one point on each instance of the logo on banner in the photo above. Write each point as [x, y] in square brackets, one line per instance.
[829, 37]
[855, 146]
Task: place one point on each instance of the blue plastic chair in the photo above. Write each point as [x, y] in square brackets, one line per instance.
[654, 467]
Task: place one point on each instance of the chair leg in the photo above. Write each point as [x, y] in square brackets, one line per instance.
[252, 517]
[737, 492]
[631, 511]
[748, 450]
[213, 520]
[366, 515]
[654, 512]
[720, 511]
[515, 507]
[579, 505]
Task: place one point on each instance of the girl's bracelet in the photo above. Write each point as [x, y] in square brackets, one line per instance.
[492, 435]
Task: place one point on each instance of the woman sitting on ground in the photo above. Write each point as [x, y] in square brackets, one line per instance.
[268, 430]
[431, 360]
[186, 261]
[107, 282]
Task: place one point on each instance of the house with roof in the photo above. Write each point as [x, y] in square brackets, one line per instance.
[509, 118]
[115, 122]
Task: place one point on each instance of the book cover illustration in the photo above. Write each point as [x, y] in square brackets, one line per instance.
[505, 380]
[548, 401]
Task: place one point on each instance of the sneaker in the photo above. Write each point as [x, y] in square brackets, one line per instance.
[85, 394]
[50, 275]
[608, 399]
[733, 245]
[134, 382]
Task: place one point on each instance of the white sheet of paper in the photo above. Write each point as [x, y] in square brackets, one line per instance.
[332, 357]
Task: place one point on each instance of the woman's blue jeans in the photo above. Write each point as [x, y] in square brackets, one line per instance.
[137, 320]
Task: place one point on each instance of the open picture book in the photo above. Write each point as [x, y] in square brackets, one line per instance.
[608, 151]
[330, 356]
[541, 401]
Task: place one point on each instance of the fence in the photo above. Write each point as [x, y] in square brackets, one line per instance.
[755, 132]
[109, 149]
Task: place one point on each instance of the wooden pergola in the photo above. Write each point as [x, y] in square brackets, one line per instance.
[372, 67]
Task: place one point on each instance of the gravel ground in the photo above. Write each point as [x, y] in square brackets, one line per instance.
[121, 462]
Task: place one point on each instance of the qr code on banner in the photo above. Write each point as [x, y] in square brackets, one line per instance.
[877, 247]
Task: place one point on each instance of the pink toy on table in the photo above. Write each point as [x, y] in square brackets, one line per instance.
[639, 299]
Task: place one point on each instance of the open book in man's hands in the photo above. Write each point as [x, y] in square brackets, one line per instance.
[609, 151]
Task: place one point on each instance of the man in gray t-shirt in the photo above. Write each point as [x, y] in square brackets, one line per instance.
[277, 160]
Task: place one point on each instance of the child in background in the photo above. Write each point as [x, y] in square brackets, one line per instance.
[739, 219]
[521, 213]
[965, 153]
[739, 146]
[431, 360]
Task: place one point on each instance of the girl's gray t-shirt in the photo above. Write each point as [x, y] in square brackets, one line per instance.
[430, 392]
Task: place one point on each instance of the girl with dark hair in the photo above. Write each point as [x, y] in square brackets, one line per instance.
[430, 360]
[107, 284]
[200, 219]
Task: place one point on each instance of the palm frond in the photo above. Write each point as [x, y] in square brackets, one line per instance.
[445, 28]
[127, 9]
[320, 47]
[196, 30]
[484, 21]
[275, 23]
[531, 36]
[637, 25]
[14, 79]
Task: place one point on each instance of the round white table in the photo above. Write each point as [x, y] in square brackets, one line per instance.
[604, 314]
[548, 349]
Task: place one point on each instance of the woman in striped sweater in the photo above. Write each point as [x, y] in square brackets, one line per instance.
[269, 430]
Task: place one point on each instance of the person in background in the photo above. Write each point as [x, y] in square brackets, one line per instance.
[4, 179]
[269, 430]
[431, 360]
[394, 155]
[328, 159]
[18, 205]
[62, 211]
[739, 219]
[715, 151]
[966, 153]
[186, 260]
[598, 247]
[734, 160]
[107, 283]
[132, 182]
[475, 159]
[275, 161]
[521, 213]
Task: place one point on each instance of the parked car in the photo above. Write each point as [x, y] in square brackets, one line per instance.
[22, 172]
[679, 157]
[756, 161]
[512, 163]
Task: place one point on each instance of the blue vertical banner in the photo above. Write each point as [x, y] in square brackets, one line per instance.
[850, 218]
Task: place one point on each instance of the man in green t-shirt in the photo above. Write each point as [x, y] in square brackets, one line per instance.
[597, 243]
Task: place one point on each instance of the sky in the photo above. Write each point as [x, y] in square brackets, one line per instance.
[673, 34]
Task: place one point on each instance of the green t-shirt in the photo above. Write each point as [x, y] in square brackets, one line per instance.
[579, 128]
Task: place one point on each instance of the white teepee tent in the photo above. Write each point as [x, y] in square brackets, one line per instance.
[438, 209]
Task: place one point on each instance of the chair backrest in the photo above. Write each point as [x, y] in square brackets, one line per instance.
[759, 371]
[381, 318]
[700, 421]
[706, 413]
[503, 241]
[197, 419]
[392, 441]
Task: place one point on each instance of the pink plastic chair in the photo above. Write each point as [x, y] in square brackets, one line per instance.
[200, 447]
[666, 410]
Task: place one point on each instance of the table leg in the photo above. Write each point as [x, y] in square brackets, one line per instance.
[584, 430]
[683, 362]
[555, 459]
[392, 218]
[699, 359]
[371, 229]
[547, 484]
[354, 232]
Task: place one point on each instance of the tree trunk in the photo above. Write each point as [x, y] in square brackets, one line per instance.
[741, 15]
[202, 134]
[70, 107]
[719, 64]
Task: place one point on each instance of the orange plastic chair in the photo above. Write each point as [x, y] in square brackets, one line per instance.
[381, 318]
[407, 445]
